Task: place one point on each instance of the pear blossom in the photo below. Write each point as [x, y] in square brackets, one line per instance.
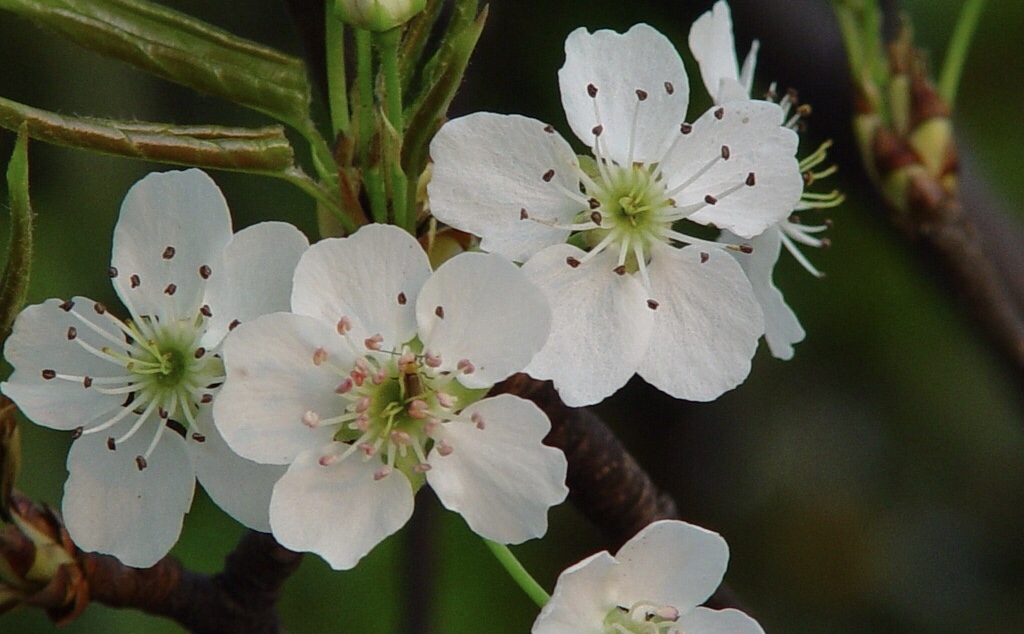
[137, 392]
[653, 585]
[712, 43]
[606, 236]
[374, 385]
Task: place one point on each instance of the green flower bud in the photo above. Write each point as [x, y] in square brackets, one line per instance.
[378, 15]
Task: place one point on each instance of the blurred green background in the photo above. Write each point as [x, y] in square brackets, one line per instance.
[873, 484]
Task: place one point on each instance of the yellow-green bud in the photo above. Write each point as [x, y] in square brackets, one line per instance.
[378, 15]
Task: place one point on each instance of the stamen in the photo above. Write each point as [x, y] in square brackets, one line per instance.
[168, 253]
[205, 271]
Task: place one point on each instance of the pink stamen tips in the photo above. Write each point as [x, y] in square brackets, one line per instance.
[344, 387]
[478, 420]
[446, 400]
[357, 377]
[407, 362]
[363, 404]
[381, 473]
[418, 408]
[311, 419]
[363, 367]
[422, 467]
[465, 366]
[328, 459]
[667, 612]
[362, 423]
[444, 448]
[344, 325]
[367, 449]
[432, 360]
[380, 377]
[431, 425]
[319, 356]
[400, 437]
[374, 342]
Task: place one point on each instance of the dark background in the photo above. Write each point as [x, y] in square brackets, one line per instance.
[875, 483]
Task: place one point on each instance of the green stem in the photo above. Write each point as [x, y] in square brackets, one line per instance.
[388, 43]
[329, 202]
[518, 573]
[365, 120]
[953, 66]
[337, 84]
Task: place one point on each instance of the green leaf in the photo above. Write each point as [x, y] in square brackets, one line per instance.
[14, 285]
[260, 150]
[181, 49]
[424, 117]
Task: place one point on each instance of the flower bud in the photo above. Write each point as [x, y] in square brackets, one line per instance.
[378, 15]
[10, 454]
[37, 564]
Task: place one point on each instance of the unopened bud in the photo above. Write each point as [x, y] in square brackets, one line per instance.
[378, 15]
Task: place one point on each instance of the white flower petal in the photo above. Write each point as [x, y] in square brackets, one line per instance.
[339, 512]
[489, 167]
[40, 341]
[373, 277]
[255, 276]
[670, 563]
[241, 487]
[781, 327]
[112, 507]
[618, 66]
[757, 145]
[581, 600]
[272, 382]
[481, 307]
[707, 621]
[171, 224]
[712, 45]
[601, 325]
[706, 326]
[500, 478]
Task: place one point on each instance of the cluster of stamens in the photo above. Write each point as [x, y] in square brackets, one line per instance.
[393, 403]
[793, 231]
[629, 206]
[159, 366]
[642, 617]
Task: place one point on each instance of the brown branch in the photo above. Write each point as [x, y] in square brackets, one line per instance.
[242, 599]
[605, 482]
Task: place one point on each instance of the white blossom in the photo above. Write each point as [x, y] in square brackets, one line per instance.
[137, 392]
[610, 238]
[712, 43]
[653, 585]
[375, 384]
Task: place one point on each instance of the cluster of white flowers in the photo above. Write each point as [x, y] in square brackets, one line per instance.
[314, 389]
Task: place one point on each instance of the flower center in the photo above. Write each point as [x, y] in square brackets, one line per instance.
[393, 404]
[642, 617]
[159, 367]
[629, 209]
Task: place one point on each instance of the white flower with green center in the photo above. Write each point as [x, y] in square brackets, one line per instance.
[137, 392]
[653, 585]
[711, 41]
[606, 237]
[375, 385]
